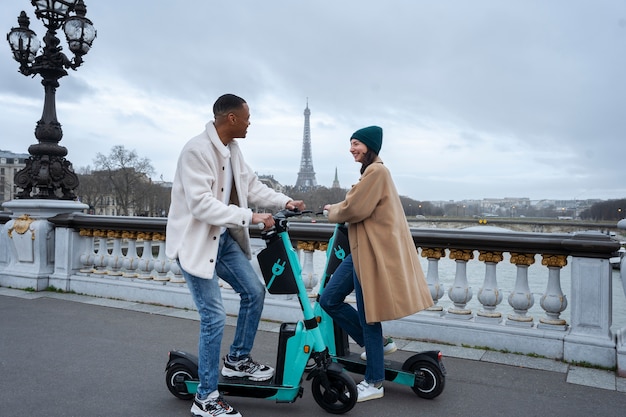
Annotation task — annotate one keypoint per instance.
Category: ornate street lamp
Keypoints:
(47, 173)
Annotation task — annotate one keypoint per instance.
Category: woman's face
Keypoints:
(358, 150)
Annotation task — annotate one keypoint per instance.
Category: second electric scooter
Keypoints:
(424, 372)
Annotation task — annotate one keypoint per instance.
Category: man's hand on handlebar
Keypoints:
(295, 205)
(265, 219)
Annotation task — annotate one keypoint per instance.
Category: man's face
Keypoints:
(241, 119)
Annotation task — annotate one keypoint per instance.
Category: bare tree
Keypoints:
(93, 188)
(127, 175)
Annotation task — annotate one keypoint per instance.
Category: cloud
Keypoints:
(477, 99)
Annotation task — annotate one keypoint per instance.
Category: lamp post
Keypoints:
(47, 174)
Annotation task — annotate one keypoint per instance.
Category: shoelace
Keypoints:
(249, 365)
(219, 405)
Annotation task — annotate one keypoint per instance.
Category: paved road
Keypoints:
(68, 355)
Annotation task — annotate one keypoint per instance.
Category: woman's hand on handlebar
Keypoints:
(266, 219)
(295, 205)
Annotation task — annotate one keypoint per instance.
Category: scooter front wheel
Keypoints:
(175, 378)
(429, 380)
(334, 392)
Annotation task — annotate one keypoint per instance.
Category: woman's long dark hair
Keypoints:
(369, 157)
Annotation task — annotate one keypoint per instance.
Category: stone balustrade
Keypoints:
(124, 258)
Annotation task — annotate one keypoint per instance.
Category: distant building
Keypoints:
(271, 182)
(10, 163)
(141, 196)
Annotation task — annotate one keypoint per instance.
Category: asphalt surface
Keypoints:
(70, 355)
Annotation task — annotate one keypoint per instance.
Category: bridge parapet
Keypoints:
(124, 258)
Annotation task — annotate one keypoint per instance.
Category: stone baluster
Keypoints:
(521, 299)
(87, 258)
(553, 301)
(146, 261)
(101, 254)
(489, 295)
(460, 293)
(309, 277)
(322, 247)
(433, 255)
(176, 275)
(131, 260)
(116, 258)
(161, 264)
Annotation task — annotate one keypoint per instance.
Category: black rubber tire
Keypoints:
(339, 397)
(430, 381)
(175, 378)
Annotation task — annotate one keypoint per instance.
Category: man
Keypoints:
(207, 234)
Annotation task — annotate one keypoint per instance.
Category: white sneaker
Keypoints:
(389, 346)
(246, 368)
(212, 407)
(369, 392)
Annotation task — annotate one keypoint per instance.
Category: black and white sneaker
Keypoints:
(246, 368)
(212, 407)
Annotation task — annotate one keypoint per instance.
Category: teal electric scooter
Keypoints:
(300, 344)
(424, 372)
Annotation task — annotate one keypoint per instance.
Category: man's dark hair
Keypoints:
(226, 104)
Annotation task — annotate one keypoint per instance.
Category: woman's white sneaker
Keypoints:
(389, 346)
(369, 392)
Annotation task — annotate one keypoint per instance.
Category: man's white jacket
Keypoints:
(197, 212)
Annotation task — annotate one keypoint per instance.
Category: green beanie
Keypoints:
(371, 136)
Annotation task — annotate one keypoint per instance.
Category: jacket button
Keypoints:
(211, 261)
(214, 237)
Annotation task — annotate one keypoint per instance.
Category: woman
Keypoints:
(383, 269)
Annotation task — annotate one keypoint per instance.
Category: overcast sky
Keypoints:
(477, 99)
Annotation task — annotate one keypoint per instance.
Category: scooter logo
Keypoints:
(277, 269)
(340, 253)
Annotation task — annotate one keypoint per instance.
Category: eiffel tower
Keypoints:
(306, 177)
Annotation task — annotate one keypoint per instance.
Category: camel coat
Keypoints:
(384, 255)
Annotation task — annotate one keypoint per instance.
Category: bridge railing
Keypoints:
(124, 258)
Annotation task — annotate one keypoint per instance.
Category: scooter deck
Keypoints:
(243, 387)
(243, 381)
(352, 362)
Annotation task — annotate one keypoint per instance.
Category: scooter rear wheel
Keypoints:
(340, 394)
(429, 380)
(175, 378)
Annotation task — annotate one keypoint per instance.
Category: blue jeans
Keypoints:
(332, 300)
(233, 267)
